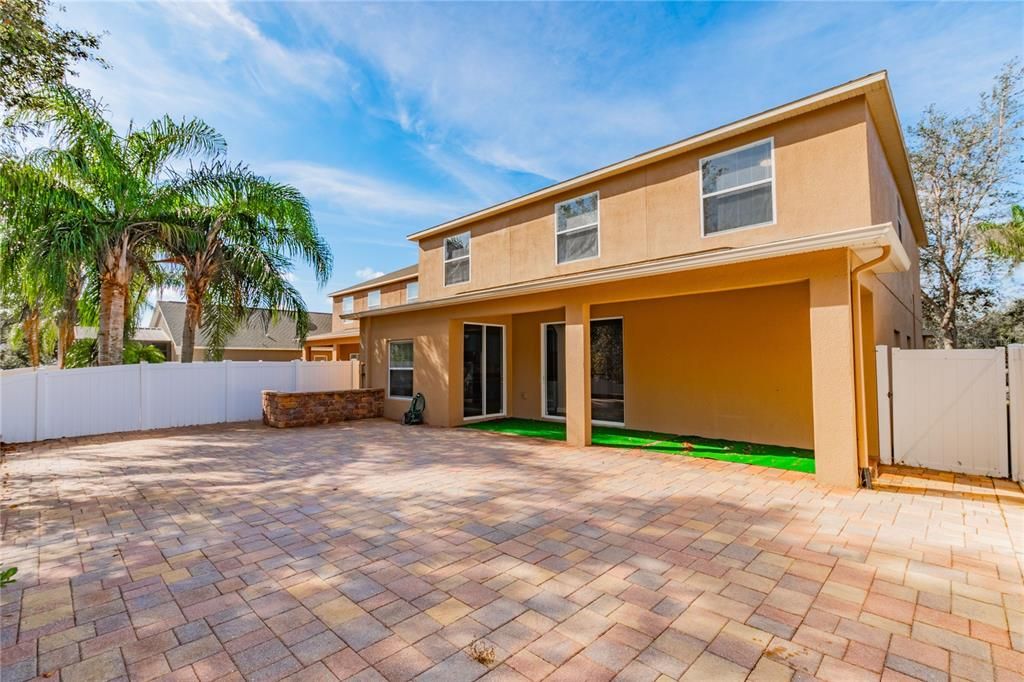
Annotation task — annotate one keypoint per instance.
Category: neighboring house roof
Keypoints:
(278, 335)
(874, 87)
(408, 272)
(351, 333)
(142, 334)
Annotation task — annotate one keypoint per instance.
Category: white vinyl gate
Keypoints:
(55, 403)
(948, 409)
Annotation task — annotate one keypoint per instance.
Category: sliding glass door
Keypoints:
(607, 395)
(607, 385)
(553, 362)
(483, 370)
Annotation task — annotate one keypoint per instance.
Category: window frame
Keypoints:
(767, 181)
(416, 284)
(412, 369)
(597, 225)
(348, 305)
(468, 258)
(371, 306)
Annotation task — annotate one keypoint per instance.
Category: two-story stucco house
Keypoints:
(729, 285)
(342, 341)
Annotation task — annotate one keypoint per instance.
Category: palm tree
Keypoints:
(39, 264)
(1006, 240)
(115, 187)
(242, 232)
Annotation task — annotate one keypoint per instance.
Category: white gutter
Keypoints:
(871, 237)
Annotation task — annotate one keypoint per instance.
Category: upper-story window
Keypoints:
(348, 305)
(373, 299)
(577, 228)
(456, 259)
(412, 291)
(738, 188)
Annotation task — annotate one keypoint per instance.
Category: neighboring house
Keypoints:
(730, 285)
(342, 341)
(148, 336)
(253, 340)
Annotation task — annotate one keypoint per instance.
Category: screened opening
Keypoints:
(400, 368)
(737, 188)
(577, 231)
(456, 259)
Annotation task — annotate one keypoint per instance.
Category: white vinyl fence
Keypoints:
(52, 403)
(952, 410)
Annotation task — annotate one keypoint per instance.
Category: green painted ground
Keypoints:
(774, 456)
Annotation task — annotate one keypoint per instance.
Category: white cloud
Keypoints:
(556, 89)
(202, 59)
(353, 193)
(368, 273)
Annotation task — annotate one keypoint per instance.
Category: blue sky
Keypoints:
(394, 117)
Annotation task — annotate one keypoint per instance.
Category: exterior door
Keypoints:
(483, 370)
(607, 382)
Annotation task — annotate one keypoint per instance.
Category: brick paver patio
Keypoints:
(374, 551)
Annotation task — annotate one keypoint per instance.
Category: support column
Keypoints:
(832, 376)
(577, 374)
(366, 351)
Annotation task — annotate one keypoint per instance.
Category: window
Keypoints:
(348, 305)
(373, 299)
(400, 369)
(737, 188)
(353, 356)
(456, 259)
(412, 291)
(577, 228)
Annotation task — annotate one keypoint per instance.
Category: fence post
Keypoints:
(227, 390)
(1015, 367)
(144, 420)
(36, 430)
(893, 402)
(295, 375)
(884, 404)
(354, 374)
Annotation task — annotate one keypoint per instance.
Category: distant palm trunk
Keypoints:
(68, 316)
(30, 327)
(65, 337)
(193, 316)
(114, 283)
(110, 336)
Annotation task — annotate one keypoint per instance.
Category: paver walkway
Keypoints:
(370, 550)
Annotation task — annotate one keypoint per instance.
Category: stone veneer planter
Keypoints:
(282, 409)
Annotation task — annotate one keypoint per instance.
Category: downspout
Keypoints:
(860, 383)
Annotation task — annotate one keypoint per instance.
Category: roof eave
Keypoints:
(369, 287)
(854, 88)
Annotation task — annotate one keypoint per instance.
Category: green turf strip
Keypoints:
(774, 456)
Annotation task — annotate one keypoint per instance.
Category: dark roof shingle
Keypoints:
(278, 334)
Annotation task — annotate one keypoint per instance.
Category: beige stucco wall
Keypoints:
(821, 185)
(732, 364)
(897, 296)
(746, 358)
